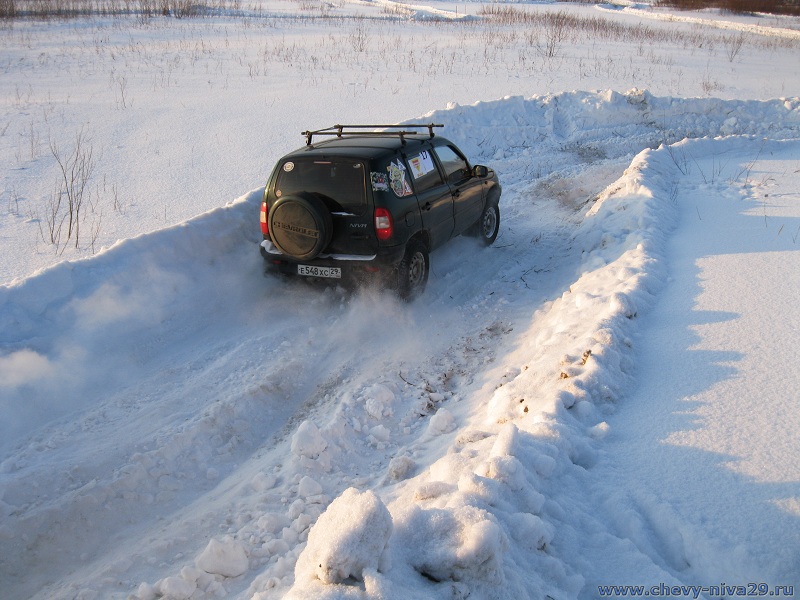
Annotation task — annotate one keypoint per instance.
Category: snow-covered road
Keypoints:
(175, 422)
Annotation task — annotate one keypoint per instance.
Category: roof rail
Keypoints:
(388, 130)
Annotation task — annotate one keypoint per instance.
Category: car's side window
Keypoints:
(423, 171)
(455, 166)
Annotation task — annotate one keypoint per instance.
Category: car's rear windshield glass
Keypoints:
(341, 183)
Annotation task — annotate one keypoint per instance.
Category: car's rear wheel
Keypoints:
(412, 272)
(300, 225)
(489, 224)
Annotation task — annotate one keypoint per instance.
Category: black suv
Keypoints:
(373, 200)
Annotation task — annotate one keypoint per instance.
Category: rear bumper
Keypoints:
(351, 264)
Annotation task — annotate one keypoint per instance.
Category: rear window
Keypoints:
(341, 183)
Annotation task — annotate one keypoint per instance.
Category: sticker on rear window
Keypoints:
(398, 180)
(288, 166)
(379, 182)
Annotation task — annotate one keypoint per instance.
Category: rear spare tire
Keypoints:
(300, 225)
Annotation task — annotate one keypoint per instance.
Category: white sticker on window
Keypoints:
(422, 164)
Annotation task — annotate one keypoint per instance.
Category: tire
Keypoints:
(412, 272)
(300, 225)
(489, 224)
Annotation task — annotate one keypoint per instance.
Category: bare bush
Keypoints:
(733, 45)
(13, 202)
(359, 39)
(67, 201)
(557, 27)
(710, 85)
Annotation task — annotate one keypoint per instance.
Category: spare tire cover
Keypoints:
(300, 225)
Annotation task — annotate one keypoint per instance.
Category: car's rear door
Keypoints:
(433, 195)
(341, 183)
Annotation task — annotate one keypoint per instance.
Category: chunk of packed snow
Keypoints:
(227, 558)
(347, 539)
(442, 422)
(262, 482)
(308, 487)
(378, 401)
(176, 588)
(308, 441)
(400, 467)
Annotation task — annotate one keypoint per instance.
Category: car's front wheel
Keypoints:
(412, 272)
(489, 224)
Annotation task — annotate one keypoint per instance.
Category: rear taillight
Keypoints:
(384, 227)
(264, 226)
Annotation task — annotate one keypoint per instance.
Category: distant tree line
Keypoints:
(776, 7)
(74, 8)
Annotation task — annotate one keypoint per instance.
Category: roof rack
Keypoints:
(387, 130)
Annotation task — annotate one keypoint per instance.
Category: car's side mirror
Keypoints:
(480, 171)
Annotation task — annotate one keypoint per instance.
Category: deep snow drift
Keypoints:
(606, 396)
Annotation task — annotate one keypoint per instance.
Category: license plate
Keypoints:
(312, 271)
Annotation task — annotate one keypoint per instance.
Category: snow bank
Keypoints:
(592, 126)
(96, 303)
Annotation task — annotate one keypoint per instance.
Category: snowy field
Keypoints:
(605, 397)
